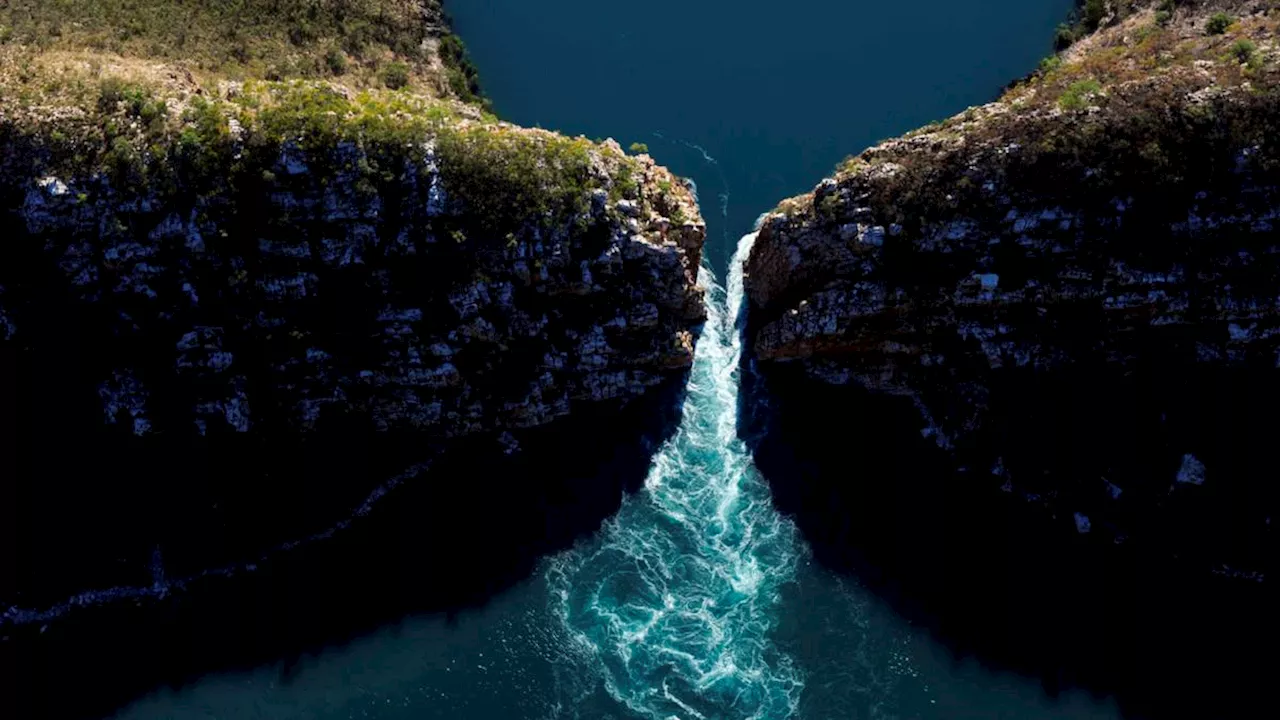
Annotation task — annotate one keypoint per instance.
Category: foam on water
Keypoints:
(674, 601)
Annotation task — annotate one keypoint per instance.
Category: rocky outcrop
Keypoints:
(1109, 226)
(239, 318)
(1019, 365)
(346, 300)
(328, 263)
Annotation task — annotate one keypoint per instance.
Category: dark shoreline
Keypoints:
(474, 525)
(996, 578)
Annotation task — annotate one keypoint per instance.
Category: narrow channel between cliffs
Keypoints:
(675, 599)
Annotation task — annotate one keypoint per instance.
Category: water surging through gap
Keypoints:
(674, 601)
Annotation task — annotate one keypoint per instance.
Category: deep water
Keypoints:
(756, 100)
(697, 600)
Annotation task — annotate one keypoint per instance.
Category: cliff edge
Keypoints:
(268, 265)
(1072, 287)
(1017, 369)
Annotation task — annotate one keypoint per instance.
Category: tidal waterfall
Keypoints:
(674, 600)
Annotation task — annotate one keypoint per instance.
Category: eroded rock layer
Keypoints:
(231, 313)
(1074, 288)
(1019, 367)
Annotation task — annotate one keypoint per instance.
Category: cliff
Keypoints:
(1020, 365)
(1117, 211)
(254, 281)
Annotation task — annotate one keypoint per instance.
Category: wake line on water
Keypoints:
(673, 603)
(724, 180)
(162, 587)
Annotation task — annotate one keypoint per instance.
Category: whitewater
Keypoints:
(676, 597)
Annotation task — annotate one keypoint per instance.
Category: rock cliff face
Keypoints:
(237, 314)
(322, 263)
(1112, 220)
(1039, 340)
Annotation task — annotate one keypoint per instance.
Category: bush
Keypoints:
(110, 93)
(1244, 51)
(1093, 14)
(639, 148)
(336, 60)
(1063, 37)
(122, 161)
(1076, 95)
(463, 76)
(1218, 24)
(395, 75)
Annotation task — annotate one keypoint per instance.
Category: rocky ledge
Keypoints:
(296, 337)
(235, 314)
(1021, 365)
(1109, 226)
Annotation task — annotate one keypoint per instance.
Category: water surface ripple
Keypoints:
(677, 596)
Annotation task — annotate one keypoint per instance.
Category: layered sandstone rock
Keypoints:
(1072, 290)
(236, 313)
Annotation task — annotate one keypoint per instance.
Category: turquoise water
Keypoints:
(696, 601)
(675, 599)
(756, 100)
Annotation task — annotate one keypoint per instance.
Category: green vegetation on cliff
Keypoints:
(506, 177)
(1074, 286)
(241, 82)
(172, 173)
(367, 42)
(1148, 77)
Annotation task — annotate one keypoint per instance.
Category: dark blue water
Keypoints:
(776, 92)
(698, 600)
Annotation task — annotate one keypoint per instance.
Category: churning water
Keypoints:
(676, 598)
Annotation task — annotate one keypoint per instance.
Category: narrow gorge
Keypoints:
(327, 393)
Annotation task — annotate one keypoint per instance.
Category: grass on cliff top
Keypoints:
(367, 42)
(499, 175)
(498, 178)
(1128, 108)
(1134, 54)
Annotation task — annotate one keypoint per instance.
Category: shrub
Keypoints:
(462, 74)
(336, 60)
(1076, 95)
(122, 161)
(110, 93)
(1049, 64)
(1094, 12)
(1218, 24)
(1244, 51)
(395, 75)
(639, 148)
(1063, 37)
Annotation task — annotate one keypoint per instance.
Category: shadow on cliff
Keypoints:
(108, 510)
(994, 577)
